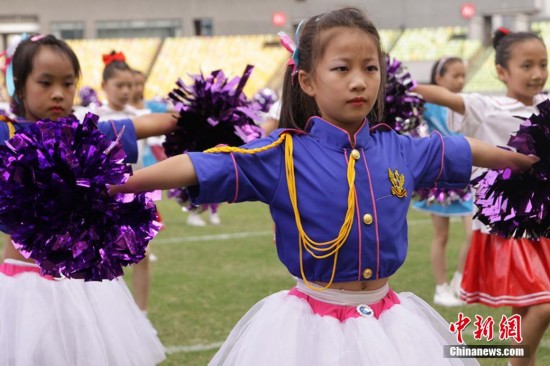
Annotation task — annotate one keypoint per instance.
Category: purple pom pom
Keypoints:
(532, 139)
(512, 205)
(54, 201)
(213, 111)
(402, 108)
(517, 204)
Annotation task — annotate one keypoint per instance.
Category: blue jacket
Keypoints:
(377, 244)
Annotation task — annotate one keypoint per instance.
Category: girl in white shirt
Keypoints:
(499, 271)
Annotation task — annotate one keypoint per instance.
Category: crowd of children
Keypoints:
(342, 310)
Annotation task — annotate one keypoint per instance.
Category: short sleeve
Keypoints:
(476, 107)
(444, 162)
(237, 177)
(111, 129)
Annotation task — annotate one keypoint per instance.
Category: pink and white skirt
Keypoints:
(337, 327)
(46, 321)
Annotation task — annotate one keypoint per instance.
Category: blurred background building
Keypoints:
(167, 39)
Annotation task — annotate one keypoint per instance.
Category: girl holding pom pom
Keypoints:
(60, 321)
(339, 194)
(448, 72)
(499, 271)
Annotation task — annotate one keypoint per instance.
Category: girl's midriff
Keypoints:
(357, 285)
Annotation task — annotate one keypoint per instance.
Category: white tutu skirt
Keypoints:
(283, 330)
(71, 322)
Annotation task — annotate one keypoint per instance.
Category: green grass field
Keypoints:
(206, 278)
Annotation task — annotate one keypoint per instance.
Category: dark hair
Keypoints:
(23, 59)
(440, 67)
(297, 107)
(503, 40)
(112, 66)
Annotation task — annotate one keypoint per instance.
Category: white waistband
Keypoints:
(18, 262)
(343, 297)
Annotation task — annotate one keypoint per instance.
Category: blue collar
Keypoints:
(337, 137)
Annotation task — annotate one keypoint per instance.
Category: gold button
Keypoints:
(355, 154)
(367, 219)
(367, 273)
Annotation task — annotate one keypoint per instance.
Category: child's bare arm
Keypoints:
(442, 96)
(488, 156)
(177, 171)
(154, 124)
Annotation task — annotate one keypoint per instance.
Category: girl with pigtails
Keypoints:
(51, 319)
(503, 271)
(338, 193)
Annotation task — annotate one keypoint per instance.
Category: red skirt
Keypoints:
(506, 272)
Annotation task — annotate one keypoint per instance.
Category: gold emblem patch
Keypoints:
(397, 181)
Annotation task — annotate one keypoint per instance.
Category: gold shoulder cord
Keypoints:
(327, 248)
(233, 149)
(11, 126)
(11, 129)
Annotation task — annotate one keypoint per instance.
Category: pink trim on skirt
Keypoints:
(342, 312)
(12, 270)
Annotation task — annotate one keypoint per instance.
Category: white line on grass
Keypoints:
(195, 348)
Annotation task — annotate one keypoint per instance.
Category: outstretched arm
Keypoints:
(488, 156)
(442, 96)
(154, 124)
(177, 171)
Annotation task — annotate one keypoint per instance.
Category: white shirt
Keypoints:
(106, 113)
(491, 119)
